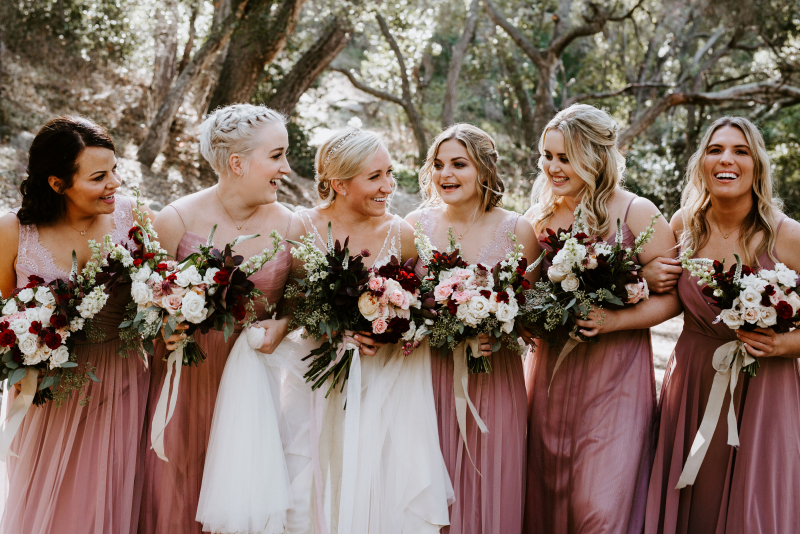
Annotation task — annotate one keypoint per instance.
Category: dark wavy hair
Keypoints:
(54, 152)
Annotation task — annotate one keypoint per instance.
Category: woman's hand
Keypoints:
(662, 274)
(762, 342)
(276, 330)
(177, 335)
(599, 321)
(486, 344)
(525, 334)
(369, 346)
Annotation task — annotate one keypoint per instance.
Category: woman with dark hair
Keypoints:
(77, 465)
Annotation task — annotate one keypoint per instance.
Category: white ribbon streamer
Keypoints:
(461, 390)
(728, 362)
(352, 420)
(17, 411)
(162, 417)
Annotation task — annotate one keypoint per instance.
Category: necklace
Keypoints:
(82, 232)
(724, 234)
(238, 226)
(452, 224)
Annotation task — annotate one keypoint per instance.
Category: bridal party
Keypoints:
(233, 366)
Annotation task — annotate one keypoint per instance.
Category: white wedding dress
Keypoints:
(391, 478)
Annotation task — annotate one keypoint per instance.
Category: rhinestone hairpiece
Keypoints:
(338, 145)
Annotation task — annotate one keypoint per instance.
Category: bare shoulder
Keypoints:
(788, 244)
(677, 222)
(296, 228)
(524, 228)
(407, 246)
(190, 206)
(641, 212)
(9, 232)
(413, 217)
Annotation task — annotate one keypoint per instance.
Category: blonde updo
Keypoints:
(343, 157)
(590, 143)
(482, 150)
(234, 130)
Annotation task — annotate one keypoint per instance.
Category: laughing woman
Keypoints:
(590, 440)
(78, 466)
(727, 207)
(463, 191)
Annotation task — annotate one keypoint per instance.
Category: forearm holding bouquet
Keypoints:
(585, 273)
(747, 299)
(471, 300)
(39, 328)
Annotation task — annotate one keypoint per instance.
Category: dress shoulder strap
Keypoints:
(179, 216)
(625, 220)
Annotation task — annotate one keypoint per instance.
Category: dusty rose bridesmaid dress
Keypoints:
(490, 502)
(590, 441)
(79, 466)
(752, 490)
(172, 489)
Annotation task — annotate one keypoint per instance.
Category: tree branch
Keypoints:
(530, 50)
(598, 96)
(406, 86)
(370, 90)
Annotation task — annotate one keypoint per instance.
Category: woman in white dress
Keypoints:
(390, 477)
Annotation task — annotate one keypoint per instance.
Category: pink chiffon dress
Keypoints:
(753, 489)
(79, 467)
(489, 502)
(172, 489)
(590, 441)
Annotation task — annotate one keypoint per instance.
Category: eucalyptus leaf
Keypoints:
(12, 364)
(46, 383)
(92, 376)
(68, 365)
(16, 376)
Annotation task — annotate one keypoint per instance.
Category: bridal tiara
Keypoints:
(338, 145)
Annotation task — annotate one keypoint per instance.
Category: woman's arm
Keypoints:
(9, 244)
(170, 229)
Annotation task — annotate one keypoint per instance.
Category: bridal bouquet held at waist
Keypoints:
(585, 273)
(747, 299)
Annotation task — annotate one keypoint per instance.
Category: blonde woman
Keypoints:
(463, 191)
(591, 438)
(727, 207)
(246, 146)
(396, 483)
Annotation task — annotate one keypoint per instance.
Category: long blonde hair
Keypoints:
(343, 157)
(590, 142)
(696, 199)
(482, 150)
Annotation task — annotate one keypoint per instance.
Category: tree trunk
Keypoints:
(454, 70)
(187, 50)
(159, 128)
(419, 130)
(310, 66)
(255, 44)
(525, 109)
(545, 106)
(166, 60)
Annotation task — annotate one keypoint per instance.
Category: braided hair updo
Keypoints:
(54, 152)
(234, 130)
(343, 157)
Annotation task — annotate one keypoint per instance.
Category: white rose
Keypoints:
(731, 319)
(20, 326)
(754, 282)
(794, 301)
(189, 276)
(28, 343)
(141, 293)
(32, 314)
(155, 279)
(10, 308)
(504, 313)
(507, 327)
(40, 355)
(194, 308)
(142, 274)
(420, 333)
(45, 312)
(408, 335)
(44, 296)
(209, 277)
(558, 271)
(751, 315)
(474, 311)
(369, 306)
(769, 276)
(570, 283)
(750, 298)
(769, 316)
(59, 356)
(787, 277)
(591, 263)
(402, 313)
(25, 295)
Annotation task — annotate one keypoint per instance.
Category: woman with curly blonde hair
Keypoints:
(728, 208)
(590, 439)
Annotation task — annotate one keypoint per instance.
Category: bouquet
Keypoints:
(473, 299)
(327, 306)
(747, 299)
(585, 273)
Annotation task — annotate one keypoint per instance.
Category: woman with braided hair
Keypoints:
(246, 146)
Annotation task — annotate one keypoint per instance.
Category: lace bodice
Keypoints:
(492, 252)
(35, 258)
(390, 247)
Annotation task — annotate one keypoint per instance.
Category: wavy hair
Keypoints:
(481, 150)
(590, 143)
(696, 199)
(54, 152)
(343, 157)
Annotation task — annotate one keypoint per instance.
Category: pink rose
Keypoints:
(172, 303)
(464, 274)
(636, 292)
(442, 292)
(399, 299)
(379, 325)
(462, 296)
(376, 283)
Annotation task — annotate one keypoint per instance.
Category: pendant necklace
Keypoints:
(238, 226)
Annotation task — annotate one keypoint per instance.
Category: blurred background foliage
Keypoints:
(149, 70)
